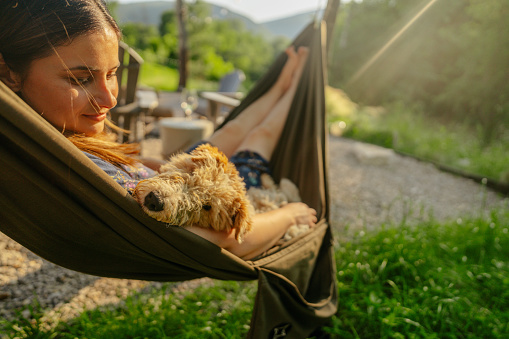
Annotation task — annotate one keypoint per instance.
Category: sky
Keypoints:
(263, 10)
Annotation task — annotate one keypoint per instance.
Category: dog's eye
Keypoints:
(207, 207)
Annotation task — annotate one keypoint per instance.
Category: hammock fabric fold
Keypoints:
(58, 204)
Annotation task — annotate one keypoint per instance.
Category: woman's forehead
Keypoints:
(96, 50)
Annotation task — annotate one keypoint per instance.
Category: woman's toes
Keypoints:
(303, 51)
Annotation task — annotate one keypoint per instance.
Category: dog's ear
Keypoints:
(220, 157)
(181, 162)
(203, 154)
(242, 220)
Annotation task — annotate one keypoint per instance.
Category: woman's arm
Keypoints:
(154, 164)
(267, 229)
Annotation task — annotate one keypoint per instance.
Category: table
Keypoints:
(178, 134)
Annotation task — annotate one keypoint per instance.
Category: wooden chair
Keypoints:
(132, 104)
(213, 105)
(170, 102)
(219, 104)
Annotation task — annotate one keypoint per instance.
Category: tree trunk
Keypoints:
(183, 55)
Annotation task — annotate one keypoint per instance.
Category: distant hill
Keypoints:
(290, 26)
(150, 12)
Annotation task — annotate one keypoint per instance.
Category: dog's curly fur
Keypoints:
(200, 189)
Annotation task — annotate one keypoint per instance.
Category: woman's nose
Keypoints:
(106, 93)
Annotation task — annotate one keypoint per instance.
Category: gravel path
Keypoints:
(368, 186)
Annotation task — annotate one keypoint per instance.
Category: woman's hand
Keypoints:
(301, 213)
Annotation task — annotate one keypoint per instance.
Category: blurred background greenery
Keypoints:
(440, 91)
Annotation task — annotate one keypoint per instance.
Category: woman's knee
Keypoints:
(261, 133)
(234, 130)
(228, 137)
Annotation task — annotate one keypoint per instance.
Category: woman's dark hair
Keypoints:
(31, 29)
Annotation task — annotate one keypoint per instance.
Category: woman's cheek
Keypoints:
(78, 97)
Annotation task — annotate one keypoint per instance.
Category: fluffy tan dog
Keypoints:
(201, 189)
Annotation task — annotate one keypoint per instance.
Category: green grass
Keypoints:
(222, 310)
(410, 131)
(164, 78)
(159, 77)
(432, 280)
(426, 281)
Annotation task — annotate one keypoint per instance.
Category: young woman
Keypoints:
(60, 57)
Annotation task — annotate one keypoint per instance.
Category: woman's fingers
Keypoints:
(313, 217)
(302, 214)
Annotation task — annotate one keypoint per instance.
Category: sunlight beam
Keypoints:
(371, 61)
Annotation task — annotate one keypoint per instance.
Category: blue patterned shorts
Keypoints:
(251, 166)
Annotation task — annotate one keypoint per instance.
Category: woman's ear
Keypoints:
(9, 77)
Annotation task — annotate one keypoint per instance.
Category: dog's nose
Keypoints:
(154, 202)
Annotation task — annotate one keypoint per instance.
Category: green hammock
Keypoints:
(58, 204)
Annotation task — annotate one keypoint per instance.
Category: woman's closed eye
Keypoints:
(111, 75)
(85, 80)
(80, 80)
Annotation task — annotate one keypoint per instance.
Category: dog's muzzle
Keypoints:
(154, 202)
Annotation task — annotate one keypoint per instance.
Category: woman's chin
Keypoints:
(93, 130)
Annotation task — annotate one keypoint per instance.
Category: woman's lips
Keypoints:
(95, 117)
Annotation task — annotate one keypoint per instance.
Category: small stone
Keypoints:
(5, 295)
(26, 314)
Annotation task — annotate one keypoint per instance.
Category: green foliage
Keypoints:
(211, 66)
(27, 327)
(457, 145)
(232, 44)
(453, 60)
(140, 36)
(375, 137)
(216, 47)
(425, 281)
(410, 130)
(168, 24)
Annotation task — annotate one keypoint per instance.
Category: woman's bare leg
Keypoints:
(264, 137)
(229, 138)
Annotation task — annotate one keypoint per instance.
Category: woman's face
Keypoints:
(75, 87)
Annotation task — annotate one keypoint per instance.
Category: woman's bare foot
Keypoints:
(285, 77)
(302, 56)
(235, 135)
(264, 137)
